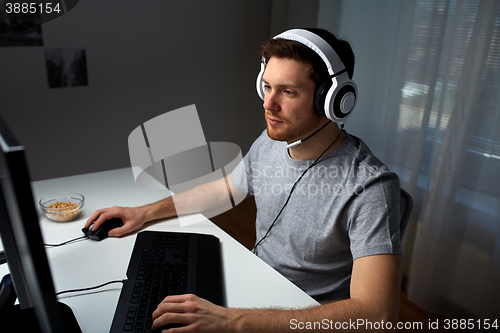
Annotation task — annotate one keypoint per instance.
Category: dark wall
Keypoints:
(144, 58)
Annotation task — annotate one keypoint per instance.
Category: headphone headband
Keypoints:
(318, 45)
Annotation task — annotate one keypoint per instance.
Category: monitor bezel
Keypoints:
(23, 242)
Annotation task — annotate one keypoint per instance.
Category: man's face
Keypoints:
(288, 101)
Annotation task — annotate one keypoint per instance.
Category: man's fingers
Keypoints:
(171, 318)
(102, 215)
(118, 232)
(179, 298)
(92, 218)
(101, 219)
(175, 303)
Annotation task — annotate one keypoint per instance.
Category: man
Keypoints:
(327, 209)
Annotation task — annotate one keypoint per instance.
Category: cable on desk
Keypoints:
(89, 288)
(67, 242)
(3, 258)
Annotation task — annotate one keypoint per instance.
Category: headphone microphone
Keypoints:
(335, 98)
(298, 142)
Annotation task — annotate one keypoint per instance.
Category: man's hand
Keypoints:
(196, 314)
(375, 287)
(132, 219)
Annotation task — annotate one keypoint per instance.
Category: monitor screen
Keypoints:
(38, 309)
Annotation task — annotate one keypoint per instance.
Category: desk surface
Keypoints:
(249, 282)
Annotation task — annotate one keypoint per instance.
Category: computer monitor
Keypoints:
(38, 309)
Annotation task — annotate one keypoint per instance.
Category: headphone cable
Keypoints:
(293, 188)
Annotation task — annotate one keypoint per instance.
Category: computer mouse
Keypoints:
(102, 231)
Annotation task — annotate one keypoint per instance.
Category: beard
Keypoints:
(292, 129)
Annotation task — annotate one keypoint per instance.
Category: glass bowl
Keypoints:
(62, 207)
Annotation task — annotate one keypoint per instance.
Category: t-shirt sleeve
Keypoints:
(374, 222)
(241, 176)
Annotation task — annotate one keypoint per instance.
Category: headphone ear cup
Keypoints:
(319, 98)
(344, 102)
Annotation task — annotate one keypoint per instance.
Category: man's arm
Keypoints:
(375, 290)
(196, 200)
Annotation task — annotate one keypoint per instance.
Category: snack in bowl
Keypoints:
(62, 207)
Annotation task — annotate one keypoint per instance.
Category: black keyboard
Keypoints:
(162, 264)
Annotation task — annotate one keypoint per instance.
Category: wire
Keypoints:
(89, 288)
(67, 242)
(3, 259)
(293, 188)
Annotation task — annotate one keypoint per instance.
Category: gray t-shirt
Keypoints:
(344, 208)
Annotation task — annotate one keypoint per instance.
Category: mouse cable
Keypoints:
(89, 288)
(3, 258)
(67, 242)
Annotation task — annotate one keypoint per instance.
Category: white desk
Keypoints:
(249, 282)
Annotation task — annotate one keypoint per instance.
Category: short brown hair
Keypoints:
(284, 48)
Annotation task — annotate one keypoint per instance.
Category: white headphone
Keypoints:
(335, 98)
